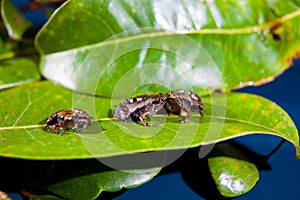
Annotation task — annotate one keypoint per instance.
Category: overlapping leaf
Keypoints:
(114, 39)
(17, 72)
(18, 60)
(17, 65)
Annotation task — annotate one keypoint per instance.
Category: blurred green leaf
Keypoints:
(24, 110)
(18, 71)
(18, 59)
(198, 44)
(18, 64)
(232, 171)
(16, 25)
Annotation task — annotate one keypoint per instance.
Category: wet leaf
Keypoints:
(233, 173)
(16, 25)
(199, 44)
(24, 110)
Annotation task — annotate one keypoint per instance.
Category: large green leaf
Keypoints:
(114, 43)
(25, 108)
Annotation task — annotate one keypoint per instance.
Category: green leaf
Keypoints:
(18, 63)
(18, 59)
(24, 110)
(96, 183)
(14, 21)
(232, 171)
(197, 44)
(18, 71)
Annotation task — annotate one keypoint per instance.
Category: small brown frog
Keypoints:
(140, 108)
(180, 103)
(68, 119)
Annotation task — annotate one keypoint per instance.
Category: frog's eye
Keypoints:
(132, 100)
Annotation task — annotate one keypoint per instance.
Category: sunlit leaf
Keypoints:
(24, 110)
(199, 44)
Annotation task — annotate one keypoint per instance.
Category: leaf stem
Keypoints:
(267, 157)
(22, 127)
(42, 125)
(104, 119)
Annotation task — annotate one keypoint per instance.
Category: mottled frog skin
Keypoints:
(178, 102)
(68, 119)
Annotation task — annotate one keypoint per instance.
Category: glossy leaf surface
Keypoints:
(24, 110)
(232, 171)
(201, 43)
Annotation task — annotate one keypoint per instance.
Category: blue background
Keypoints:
(278, 183)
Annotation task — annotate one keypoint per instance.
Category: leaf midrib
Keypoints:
(112, 119)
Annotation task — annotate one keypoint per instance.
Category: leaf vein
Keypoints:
(24, 110)
(32, 137)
